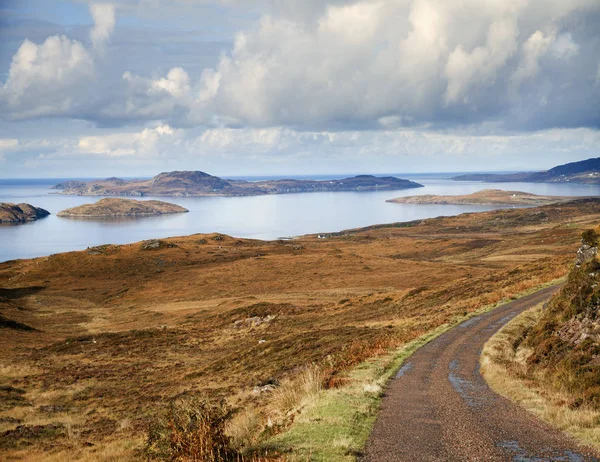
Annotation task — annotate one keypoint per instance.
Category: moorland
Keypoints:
(96, 345)
(484, 197)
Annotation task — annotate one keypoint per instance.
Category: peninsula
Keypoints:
(195, 183)
(20, 213)
(484, 197)
(112, 207)
(585, 171)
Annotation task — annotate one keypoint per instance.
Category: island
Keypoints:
(20, 213)
(585, 171)
(113, 207)
(196, 183)
(485, 197)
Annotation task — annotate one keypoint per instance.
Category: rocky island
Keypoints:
(195, 183)
(484, 197)
(112, 207)
(20, 213)
(585, 171)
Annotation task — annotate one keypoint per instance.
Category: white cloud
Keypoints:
(154, 98)
(43, 79)
(343, 64)
(480, 66)
(335, 65)
(8, 143)
(177, 83)
(564, 47)
(533, 49)
(104, 23)
(147, 143)
(53, 78)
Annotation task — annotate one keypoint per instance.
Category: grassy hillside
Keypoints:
(104, 349)
(548, 359)
(565, 343)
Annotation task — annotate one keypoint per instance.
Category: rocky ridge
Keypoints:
(585, 171)
(196, 183)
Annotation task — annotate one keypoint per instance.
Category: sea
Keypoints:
(258, 217)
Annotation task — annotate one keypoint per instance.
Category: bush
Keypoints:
(192, 430)
(590, 237)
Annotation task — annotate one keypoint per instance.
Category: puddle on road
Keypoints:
(470, 322)
(403, 370)
(471, 393)
(520, 455)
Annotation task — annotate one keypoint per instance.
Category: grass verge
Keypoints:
(336, 423)
(504, 368)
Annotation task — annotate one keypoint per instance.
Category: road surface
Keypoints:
(439, 408)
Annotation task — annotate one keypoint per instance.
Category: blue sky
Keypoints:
(232, 87)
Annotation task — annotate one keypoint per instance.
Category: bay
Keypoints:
(259, 217)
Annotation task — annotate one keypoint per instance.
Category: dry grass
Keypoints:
(506, 370)
(297, 392)
(122, 331)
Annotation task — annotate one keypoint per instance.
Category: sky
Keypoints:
(267, 87)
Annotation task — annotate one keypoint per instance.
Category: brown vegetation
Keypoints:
(485, 197)
(119, 333)
(548, 359)
(112, 207)
(20, 213)
(194, 183)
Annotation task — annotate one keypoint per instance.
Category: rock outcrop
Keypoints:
(20, 213)
(113, 207)
(564, 344)
(585, 253)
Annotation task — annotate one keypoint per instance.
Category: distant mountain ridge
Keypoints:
(585, 171)
(196, 183)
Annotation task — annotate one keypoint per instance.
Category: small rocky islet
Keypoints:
(114, 207)
(20, 213)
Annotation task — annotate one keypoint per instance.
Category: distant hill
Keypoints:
(195, 183)
(585, 171)
(484, 197)
(112, 207)
(20, 213)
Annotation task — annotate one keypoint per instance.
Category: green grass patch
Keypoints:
(336, 424)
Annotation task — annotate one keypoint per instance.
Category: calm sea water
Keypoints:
(261, 217)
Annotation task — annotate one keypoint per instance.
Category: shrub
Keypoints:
(191, 430)
(590, 237)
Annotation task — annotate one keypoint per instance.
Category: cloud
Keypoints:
(341, 65)
(103, 15)
(8, 143)
(147, 143)
(534, 48)
(46, 79)
(53, 78)
(344, 65)
(480, 66)
(278, 150)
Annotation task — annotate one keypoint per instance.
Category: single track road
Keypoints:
(439, 408)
